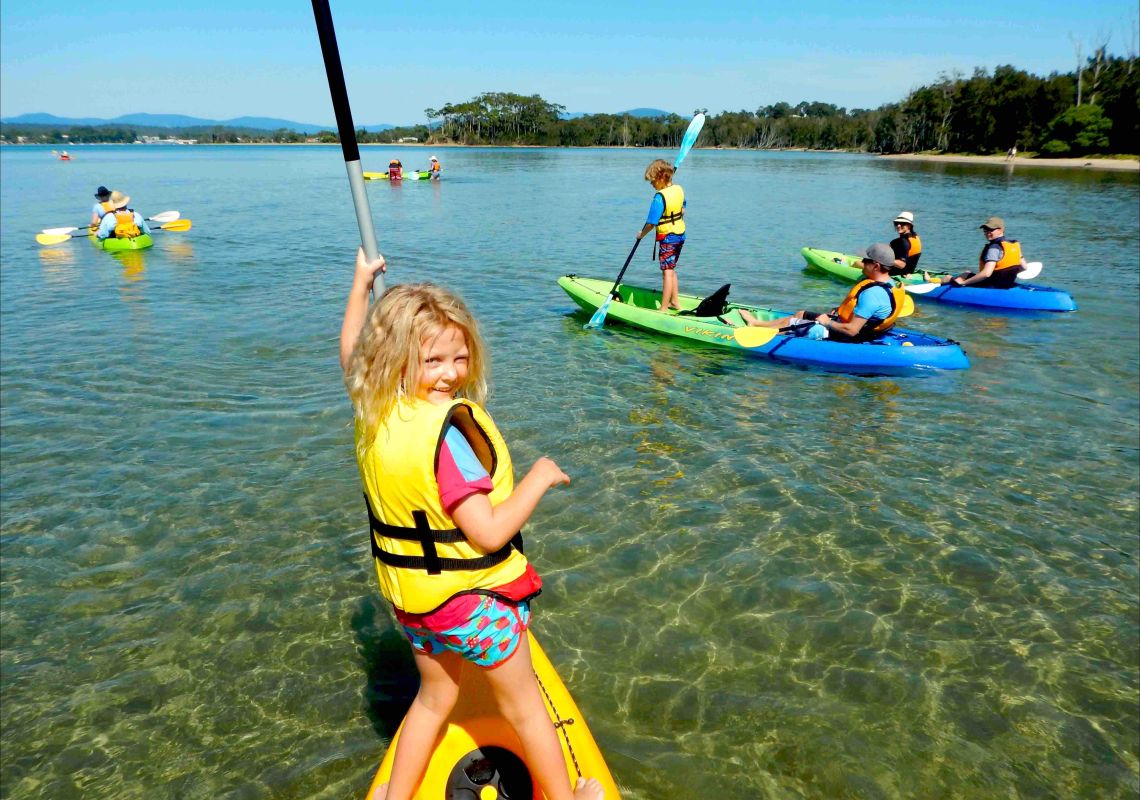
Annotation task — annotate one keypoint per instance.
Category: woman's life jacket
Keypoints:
(672, 217)
(422, 559)
(846, 310)
(125, 227)
(913, 249)
(1011, 254)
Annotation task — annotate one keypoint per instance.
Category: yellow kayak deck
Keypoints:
(480, 753)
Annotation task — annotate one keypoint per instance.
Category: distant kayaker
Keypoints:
(122, 222)
(907, 247)
(102, 206)
(869, 309)
(445, 516)
(395, 170)
(434, 168)
(667, 217)
(998, 265)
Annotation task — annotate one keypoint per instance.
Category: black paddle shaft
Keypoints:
(347, 132)
(335, 74)
(625, 266)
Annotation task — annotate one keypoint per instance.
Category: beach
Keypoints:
(1116, 165)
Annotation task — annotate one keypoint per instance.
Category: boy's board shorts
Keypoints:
(487, 638)
(669, 250)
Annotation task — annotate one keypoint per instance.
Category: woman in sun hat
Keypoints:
(907, 247)
(433, 168)
(121, 222)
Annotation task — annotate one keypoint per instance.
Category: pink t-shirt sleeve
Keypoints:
(459, 472)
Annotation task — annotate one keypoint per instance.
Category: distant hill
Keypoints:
(633, 112)
(182, 121)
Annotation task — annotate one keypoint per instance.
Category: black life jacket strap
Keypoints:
(428, 538)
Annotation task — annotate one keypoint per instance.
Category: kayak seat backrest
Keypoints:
(714, 305)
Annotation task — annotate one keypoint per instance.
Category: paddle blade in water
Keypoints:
(57, 231)
(165, 216)
(907, 306)
(921, 288)
(52, 238)
(599, 317)
(177, 225)
(1031, 271)
(754, 337)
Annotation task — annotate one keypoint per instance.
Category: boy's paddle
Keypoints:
(691, 133)
(348, 145)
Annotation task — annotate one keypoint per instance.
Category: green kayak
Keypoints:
(897, 351)
(1021, 297)
(114, 245)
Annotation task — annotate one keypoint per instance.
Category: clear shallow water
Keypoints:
(762, 582)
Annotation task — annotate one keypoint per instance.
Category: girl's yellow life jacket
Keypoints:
(672, 218)
(846, 310)
(422, 559)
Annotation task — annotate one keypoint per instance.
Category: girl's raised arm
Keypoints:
(357, 307)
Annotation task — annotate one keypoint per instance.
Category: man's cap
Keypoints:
(993, 222)
(881, 254)
(102, 193)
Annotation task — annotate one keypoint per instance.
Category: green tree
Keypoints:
(1080, 129)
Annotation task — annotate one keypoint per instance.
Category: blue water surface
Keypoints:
(762, 581)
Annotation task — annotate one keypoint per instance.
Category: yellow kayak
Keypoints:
(479, 755)
(375, 176)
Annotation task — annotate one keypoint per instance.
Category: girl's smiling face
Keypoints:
(444, 360)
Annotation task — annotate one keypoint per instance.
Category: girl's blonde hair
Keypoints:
(658, 170)
(384, 367)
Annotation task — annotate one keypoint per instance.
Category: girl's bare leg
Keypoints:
(520, 702)
(439, 689)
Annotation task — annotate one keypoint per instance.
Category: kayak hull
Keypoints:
(897, 351)
(113, 245)
(1022, 297)
(478, 748)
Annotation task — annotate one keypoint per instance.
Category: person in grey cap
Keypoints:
(868, 311)
(103, 206)
(999, 263)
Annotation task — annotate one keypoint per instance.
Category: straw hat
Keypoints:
(119, 200)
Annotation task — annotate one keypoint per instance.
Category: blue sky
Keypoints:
(259, 58)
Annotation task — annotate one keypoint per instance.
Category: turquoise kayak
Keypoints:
(111, 244)
(1022, 297)
(896, 351)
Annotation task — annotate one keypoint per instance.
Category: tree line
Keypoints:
(1093, 110)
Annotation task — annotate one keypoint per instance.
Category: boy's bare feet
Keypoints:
(588, 790)
(746, 315)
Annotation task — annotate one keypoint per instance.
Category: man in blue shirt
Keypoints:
(868, 309)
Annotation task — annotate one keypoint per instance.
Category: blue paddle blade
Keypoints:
(690, 138)
(599, 317)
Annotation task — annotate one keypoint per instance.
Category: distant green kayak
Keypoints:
(114, 245)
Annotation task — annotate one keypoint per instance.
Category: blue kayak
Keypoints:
(897, 351)
(1021, 297)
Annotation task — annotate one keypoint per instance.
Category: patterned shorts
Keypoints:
(487, 638)
(668, 252)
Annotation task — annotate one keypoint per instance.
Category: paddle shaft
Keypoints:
(625, 266)
(348, 145)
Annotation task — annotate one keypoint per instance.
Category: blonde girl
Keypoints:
(445, 517)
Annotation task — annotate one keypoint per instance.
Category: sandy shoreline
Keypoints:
(1118, 165)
